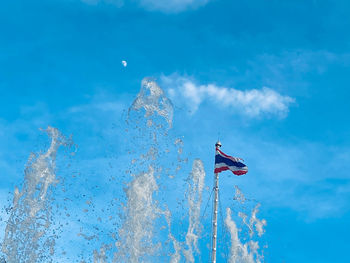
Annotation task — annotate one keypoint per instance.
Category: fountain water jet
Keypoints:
(143, 233)
(26, 234)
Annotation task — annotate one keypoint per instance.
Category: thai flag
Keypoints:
(225, 162)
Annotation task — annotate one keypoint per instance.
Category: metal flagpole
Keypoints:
(215, 215)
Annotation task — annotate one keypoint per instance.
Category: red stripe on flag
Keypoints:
(225, 168)
(239, 172)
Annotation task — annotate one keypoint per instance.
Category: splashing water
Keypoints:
(135, 242)
(136, 235)
(194, 197)
(142, 211)
(195, 183)
(100, 256)
(247, 252)
(254, 221)
(26, 238)
(239, 196)
(144, 231)
(238, 252)
(153, 100)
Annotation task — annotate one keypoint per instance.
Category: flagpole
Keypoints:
(215, 211)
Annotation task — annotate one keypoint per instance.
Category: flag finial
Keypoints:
(218, 144)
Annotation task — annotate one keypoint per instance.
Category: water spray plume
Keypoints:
(26, 238)
(154, 181)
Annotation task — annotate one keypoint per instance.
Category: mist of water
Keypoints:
(240, 251)
(194, 198)
(26, 234)
(152, 100)
(136, 235)
(145, 229)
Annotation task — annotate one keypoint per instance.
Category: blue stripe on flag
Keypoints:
(227, 161)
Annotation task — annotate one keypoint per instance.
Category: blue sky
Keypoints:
(282, 69)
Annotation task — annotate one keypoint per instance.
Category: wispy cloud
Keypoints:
(165, 6)
(252, 103)
(172, 6)
(117, 3)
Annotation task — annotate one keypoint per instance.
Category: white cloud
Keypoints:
(248, 102)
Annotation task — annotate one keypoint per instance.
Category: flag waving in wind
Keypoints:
(225, 162)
